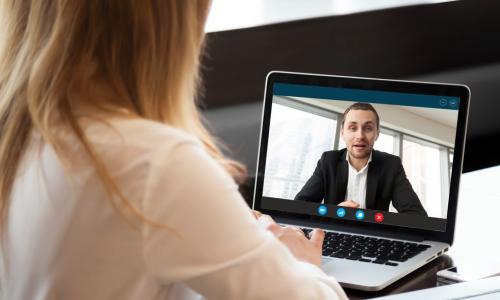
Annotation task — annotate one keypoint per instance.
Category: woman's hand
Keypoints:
(304, 249)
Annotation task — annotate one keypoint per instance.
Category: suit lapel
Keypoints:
(371, 182)
(341, 178)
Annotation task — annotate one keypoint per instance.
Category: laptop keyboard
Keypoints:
(368, 249)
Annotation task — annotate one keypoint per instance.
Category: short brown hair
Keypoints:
(361, 106)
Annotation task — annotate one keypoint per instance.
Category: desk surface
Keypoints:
(475, 234)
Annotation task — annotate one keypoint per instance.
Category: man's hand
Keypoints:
(349, 203)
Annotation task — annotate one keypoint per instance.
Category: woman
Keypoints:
(111, 187)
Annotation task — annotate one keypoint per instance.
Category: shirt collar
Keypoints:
(362, 169)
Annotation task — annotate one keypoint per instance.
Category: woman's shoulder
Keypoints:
(137, 133)
(130, 141)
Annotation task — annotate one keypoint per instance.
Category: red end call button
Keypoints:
(379, 217)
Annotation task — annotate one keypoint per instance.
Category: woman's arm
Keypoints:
(218, 248)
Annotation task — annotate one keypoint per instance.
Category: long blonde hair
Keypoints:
(146, 51)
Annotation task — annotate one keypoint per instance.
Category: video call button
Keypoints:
(379, 217)
(322, 210)
(340, 212)
(360, 215)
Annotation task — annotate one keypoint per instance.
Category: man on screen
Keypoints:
(358, 176)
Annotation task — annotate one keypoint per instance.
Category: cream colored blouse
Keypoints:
(65, 240)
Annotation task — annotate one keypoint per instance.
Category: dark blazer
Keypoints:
(386, 181)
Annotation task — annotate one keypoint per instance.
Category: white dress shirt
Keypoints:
(65, 240)
(356, 183)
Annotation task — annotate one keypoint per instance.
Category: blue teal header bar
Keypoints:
(371, 96)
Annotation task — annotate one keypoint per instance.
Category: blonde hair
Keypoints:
(147, 52)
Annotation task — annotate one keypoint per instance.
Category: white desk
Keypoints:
(477, 233)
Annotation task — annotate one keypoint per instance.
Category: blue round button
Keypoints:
(322, 210)
(340, 212)
(360, 215)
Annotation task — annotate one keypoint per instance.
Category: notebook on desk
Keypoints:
(376, 163)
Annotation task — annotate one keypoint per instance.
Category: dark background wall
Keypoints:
(455, 42)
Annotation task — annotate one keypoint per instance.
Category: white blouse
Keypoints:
(65, 240)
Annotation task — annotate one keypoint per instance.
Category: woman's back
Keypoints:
(66, 240)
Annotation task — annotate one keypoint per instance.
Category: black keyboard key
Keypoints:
(423, 247)
(365, 260)
(400, 259)
(411, 254)
(391, 264)
(379, 261)
(355, 257)
(342, 252)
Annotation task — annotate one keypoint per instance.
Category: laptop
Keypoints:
(376, 163)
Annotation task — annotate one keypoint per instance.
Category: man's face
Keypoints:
(360, 132)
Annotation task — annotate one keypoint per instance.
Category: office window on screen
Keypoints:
(427, 166)
(298, 135)
(450, 162)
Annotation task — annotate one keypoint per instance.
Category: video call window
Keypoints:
(302, 129)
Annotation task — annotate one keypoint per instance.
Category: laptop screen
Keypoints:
(359, 154)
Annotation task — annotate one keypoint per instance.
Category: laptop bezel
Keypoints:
(442, 89)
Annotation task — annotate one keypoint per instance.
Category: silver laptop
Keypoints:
(375, 163)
